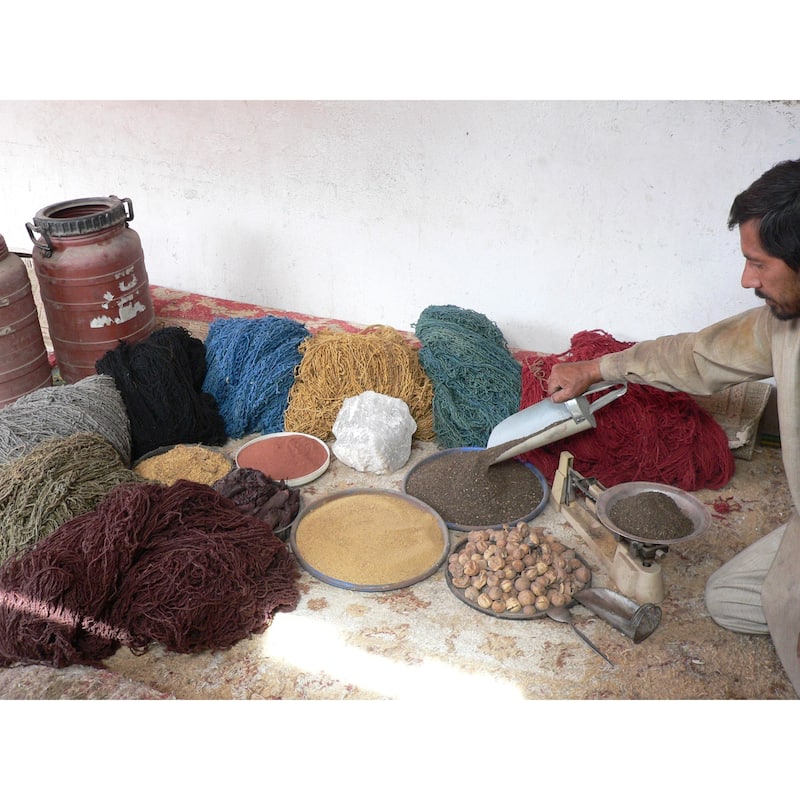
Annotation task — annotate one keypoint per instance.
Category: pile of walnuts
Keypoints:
(522, 570)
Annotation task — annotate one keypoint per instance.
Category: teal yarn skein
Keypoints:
(477, 382)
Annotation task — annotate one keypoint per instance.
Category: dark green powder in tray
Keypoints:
(466, 489)
(652, 516)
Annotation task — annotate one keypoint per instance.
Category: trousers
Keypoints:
(733, 592)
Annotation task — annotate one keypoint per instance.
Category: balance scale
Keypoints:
(632, 564)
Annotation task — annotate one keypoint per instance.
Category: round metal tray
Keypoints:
(457, 526)
(160, 451)
(689, 505)
(283, 531)
(361, 587)
(459, 593)
(247, 456)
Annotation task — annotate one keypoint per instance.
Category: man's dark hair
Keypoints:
(773, 200)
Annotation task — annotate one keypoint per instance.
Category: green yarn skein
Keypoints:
(477, 382)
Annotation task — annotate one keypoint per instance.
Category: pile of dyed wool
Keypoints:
(175, 565)
(251, 366)
(336, 366)
(476, 380)
(57, 480)
(645, 435)
(160, 379)
(91, 405)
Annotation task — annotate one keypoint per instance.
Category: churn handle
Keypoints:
(46, 249)
(129, 209)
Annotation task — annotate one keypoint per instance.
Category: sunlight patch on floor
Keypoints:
(317, 647)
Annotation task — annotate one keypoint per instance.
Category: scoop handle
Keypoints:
(608, 397)
(591, 643)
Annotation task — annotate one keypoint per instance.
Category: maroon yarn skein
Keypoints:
(176, 565)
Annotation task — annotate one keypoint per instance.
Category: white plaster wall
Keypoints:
(549, 217)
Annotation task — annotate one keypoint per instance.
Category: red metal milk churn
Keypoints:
(24, 366)
(92, 280)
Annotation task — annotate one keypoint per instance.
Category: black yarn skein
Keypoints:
(160, 379)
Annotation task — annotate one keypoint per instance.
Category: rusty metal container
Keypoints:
(92, 279)
(24, 366)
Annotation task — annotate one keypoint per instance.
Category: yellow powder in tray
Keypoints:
(190, 462)
(370, 538)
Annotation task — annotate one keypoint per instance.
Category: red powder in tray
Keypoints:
(288, 456)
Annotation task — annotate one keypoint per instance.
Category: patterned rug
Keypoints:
(196, 312)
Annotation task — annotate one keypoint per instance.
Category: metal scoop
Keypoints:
(563, 614)
(636, 621)
(546, 421)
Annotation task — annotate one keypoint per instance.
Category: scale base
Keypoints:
(576, 498)
(644, 583)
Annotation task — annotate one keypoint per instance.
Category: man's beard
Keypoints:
(782, 315)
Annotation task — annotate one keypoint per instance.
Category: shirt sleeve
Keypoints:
(728, 352)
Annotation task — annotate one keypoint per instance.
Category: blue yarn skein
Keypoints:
(251, 366)
(476, 381)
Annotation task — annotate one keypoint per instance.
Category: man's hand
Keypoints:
(571, 378)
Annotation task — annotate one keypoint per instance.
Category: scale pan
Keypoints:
(689, 505)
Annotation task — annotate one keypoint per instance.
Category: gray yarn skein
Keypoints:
(91, 405)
